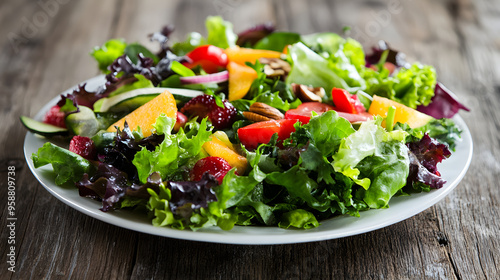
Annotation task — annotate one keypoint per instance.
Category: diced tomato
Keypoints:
(261, 132)
(211, 58)
(346, 102)
(303, 113)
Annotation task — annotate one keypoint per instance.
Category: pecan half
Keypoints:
(275, 67)
(308, 94)
(263, 112)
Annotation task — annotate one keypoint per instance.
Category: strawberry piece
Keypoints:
(55, 117)
(83, 146)
(216, 166)
(205, 106)
(180, 121)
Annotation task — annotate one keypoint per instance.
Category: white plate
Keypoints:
(401, 208)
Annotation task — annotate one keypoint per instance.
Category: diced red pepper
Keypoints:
(346, 102)
(211, 58)
(303, 113)
(261, 132)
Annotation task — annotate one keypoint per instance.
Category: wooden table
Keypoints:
(44, 50)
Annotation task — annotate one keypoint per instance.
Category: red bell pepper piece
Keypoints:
(261, 132)
(303, 113)
(346, 102)
(211, 58)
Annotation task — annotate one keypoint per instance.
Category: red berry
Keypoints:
(216, 166)
(83, 146)
(205, 106)
(180, 121)
(55, 117)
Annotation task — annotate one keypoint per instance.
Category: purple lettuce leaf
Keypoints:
(111, 186)
(123, 70)
(395, 57)
(162, 37)
(188, 196)
(444, 104)
(424, 156)
(124, 149)
(105, 185)
(81, 97)
(254, 34)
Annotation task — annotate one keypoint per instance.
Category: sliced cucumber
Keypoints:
(83, 123)
(41, 128)
(129, 105)
(133, 99)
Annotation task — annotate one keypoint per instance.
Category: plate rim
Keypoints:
(242, 235)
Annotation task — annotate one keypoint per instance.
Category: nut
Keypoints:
(255, 117)
(275, 67)
(308, 94)
(263, 112)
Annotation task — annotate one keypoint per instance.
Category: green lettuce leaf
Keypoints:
(132, 50)
(193, 40)
(109, 52)
(298, 218)
(365, 142)
(387, 170)
(327, 130)
(277, 41)
(220, 32)
(310, 68)
(412, 87)
(175, 151)
(70, 167)
(158, 204)
(345, 56)
(299, 185)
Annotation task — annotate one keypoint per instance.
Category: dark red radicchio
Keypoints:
(444, 104)
(110, 185)
(188, 196)
(424, 156)
(249, 37)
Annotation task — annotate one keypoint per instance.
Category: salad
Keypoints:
(257, 128)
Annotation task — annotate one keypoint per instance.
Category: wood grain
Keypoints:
(455, 239)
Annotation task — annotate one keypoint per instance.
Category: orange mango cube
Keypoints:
(146, 115)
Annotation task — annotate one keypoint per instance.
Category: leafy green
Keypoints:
(132, 50)
(298, 218)
(193, 40)
(412, 87)
(109, 52)
(220, 32)
(310, 68)
(277, 41)
(387, 170)
(175, 151)
(345, 56)
(443, 130)
(142, 82)
(327, 130)
(182, 70)
(366, 141)
(70, 167)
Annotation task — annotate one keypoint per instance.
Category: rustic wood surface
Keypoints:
(44, 50)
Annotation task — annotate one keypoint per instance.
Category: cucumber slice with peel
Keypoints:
(43, 129)
(83, 123)
(131, 100)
